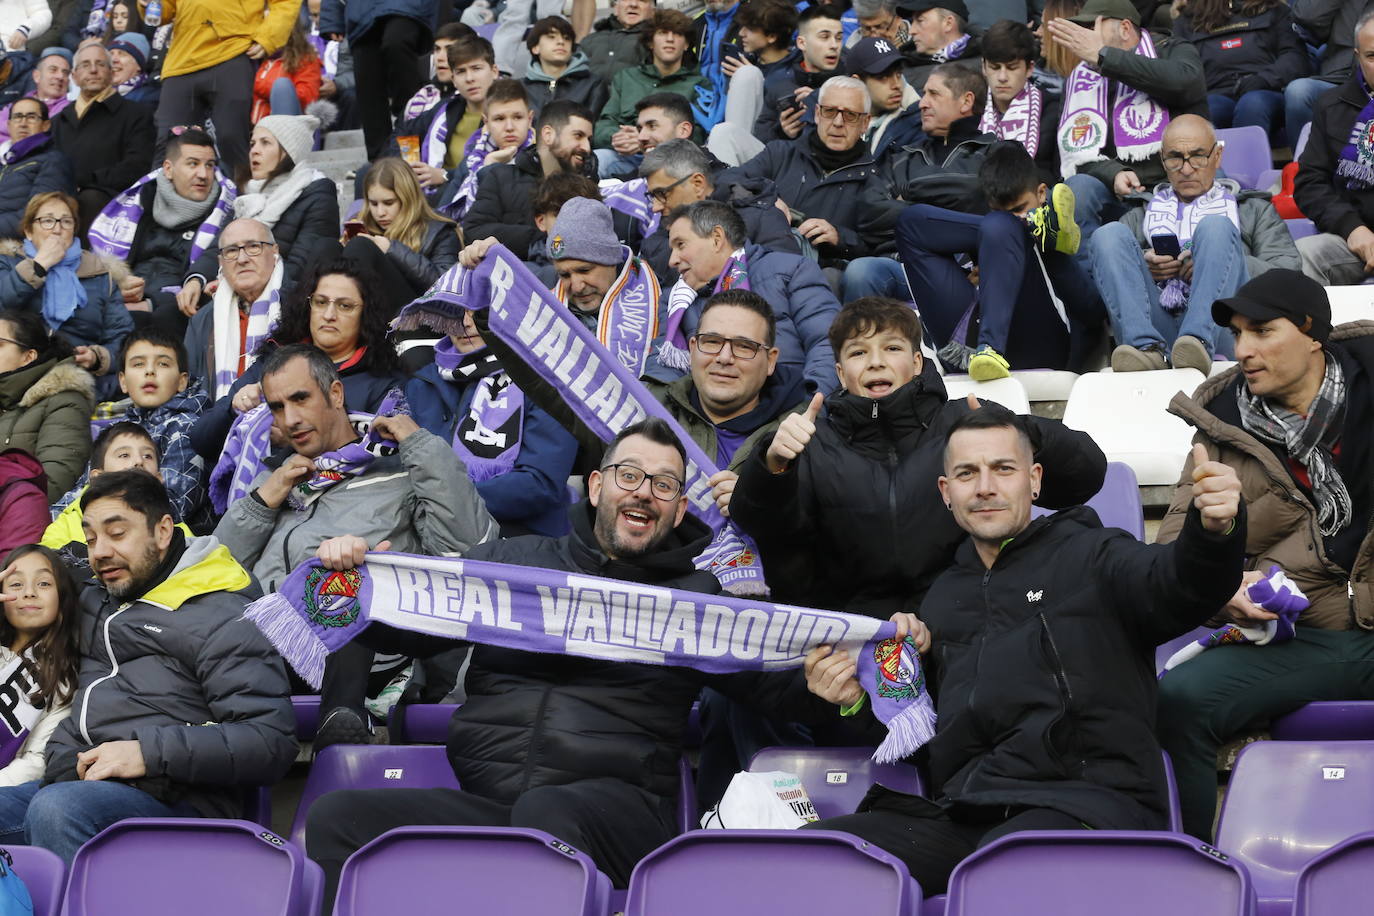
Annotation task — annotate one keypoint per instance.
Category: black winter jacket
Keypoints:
(537, 720)
(110, 147)
(160, 255)
(1043, 665)
(1248, 52)
(502, 205)
(438, 252)
(44, 169)
(862, 500)
(1318, 191)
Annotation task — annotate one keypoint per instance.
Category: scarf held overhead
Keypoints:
(595, 384)
(487, 436)
(1138, 121)
(316, 611)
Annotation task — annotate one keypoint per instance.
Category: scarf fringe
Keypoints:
(674, 357)
(291, 634)
(910, 728)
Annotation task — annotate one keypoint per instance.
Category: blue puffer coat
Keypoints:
(43, 169)
(103, 320)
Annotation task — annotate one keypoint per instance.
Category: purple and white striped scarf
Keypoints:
(1167, 215)
(673, 352)
(631, 198)
(353, 459)
(596, 385)
(243, 457)
(475, 153)
(1021, 121)
(95, 22)
(434, 144)
(1277, 594)
(112, 232)
(421, 102)
(487, 437)
(263, 316)
(316, 611)
(1138, 121)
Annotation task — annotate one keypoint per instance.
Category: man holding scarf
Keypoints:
(400, 485)
(163, 223)
(1160, 302)
(1117, 103)
(1293, 418)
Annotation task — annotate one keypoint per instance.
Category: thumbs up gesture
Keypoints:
(1216, 491)
(792, 436)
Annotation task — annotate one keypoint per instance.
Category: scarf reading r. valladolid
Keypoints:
(316, 611)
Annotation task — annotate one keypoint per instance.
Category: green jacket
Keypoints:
(634, 83)
(676, 396)
(45, 409)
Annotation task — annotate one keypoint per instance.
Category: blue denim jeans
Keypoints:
(1132, 296)
(1261, 108)
(1094, 204)
(875, 277)
(283, 98)
(64, 815)
(610, 164)
(1298, 98)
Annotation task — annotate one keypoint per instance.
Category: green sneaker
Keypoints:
(1052, 224)
(987, 364)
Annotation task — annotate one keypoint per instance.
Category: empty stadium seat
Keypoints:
(1005, 391)
(372, 766)
(1046, 384)
(1288, 801)
(1329, 720)
(1350, 303)
(837, 778)
(1117, 504)
(420, 723)
(1336, 882)
(1127, 415)
(43, 873)
(1095, 872)
(307, 710)
(173, 866)
(750, 872)
(436, 871)
(1245, 154)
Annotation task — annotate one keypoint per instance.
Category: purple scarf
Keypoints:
(673, 352)
(596, 385)
(351, 460)
(487, 437)
(475, 153)
(1356, 164)
(1277, 594)
(17, 714)
(1167, 215)
(434, 144)
(112, 231)
(316, 611)
(1138, 121)
(632, 199)
(1021, 121)
(21, 148)
(242, 459)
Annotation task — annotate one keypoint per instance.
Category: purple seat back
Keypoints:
(372, 766)
(1117, 504)
(1328, 720)
(1300, 227)
(1302, 140)
(43, 873)
(1289, 800)
(257, 805)
(1165, 650)
(1336, 882)
(420, 723)
(1092, 872)
(167, 866)
(1245, 154)
(307, 710)
(435, 871)
(837, 778)
(749, 872)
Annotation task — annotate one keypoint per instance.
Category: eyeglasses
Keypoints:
(252, 249)
(830, 112)
(34, 116)
(628, 478)
(1174, 161)
(319, 303)
(740, 347)
(661, 194)
(52, 222)
(10, 340)
(875, 31)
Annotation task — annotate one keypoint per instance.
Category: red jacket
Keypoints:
(307, 79)
(23, 500)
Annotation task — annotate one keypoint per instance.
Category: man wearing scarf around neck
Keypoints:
(327, 492)
(1293, 418)
(1160, 304)
(1117, 102)
(30, 164)
(1335, 183)
(939, 34)
(1017, 108)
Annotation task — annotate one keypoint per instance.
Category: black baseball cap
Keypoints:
(871, 56)
(1108, 9)
(917, 7)
(1280, 293)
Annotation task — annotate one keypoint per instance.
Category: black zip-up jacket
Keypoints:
(862, 501)
(1319, 192)
(1248, 52)
(534, 720)
(1043, 665)
(501, 207)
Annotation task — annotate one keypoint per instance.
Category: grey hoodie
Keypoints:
(578, 84)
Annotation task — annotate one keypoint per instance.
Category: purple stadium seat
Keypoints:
(1092, 872)
(307, 710)
(1336, 882)
(749, 872)
(372, 766)
(1245, 154)
(487, 31)
(420, 723)
(1288, 801)
(1117, 504)
(1175, 811)
(257, 805)
(172, 866)
(435, 871)
(837, 778)
(1300, 228)
(1333, 720)
(43, 873)
(1165, 650)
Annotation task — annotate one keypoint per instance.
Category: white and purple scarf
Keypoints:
(317, 611)
(132, 83)
(243, 457)
(952, 51)
(263, 316)
(1277, 594)
(17, 713)
(631, 198)
(596, 385)
(1356, 164)
(113, 231)
(475, 153)
(627, 323)
(1167, 215)
(95, 22)
(1138, 121)
(434, 144)
(1021, 121)
(18, 149)
(421, 102)
(487, 437)
(340, 464)
(673, 352)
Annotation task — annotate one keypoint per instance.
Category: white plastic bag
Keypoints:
(762, 801)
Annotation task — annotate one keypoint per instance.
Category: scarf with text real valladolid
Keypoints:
(1137, 125)
(627, 319)
(316, 611)
(596, 384)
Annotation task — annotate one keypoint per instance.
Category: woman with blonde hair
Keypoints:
(1059, 59)
(399, 222)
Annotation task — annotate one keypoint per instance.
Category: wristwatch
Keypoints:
(39, 270)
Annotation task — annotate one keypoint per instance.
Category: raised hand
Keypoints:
(792, 436)
(1216, 491)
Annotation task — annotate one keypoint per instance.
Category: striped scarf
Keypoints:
(112, 232)
(262, 318)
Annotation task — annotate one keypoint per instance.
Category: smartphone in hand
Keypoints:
(1166, 244)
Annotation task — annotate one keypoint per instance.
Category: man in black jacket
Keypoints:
(1052, 624)
(1335, 182)
(583, 748)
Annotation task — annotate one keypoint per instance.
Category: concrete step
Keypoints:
(343, 139)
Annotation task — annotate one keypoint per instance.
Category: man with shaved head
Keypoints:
(1197, 239)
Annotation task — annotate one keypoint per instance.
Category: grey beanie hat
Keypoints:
(294, 133)
(584, 231)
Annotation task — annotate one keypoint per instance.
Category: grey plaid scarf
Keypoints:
(1308, 441)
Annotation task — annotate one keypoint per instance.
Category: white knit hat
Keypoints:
(295, 133)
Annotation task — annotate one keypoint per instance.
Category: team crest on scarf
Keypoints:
(331, 596)
(898, 674)
(1142, 118)
(1085, 132)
